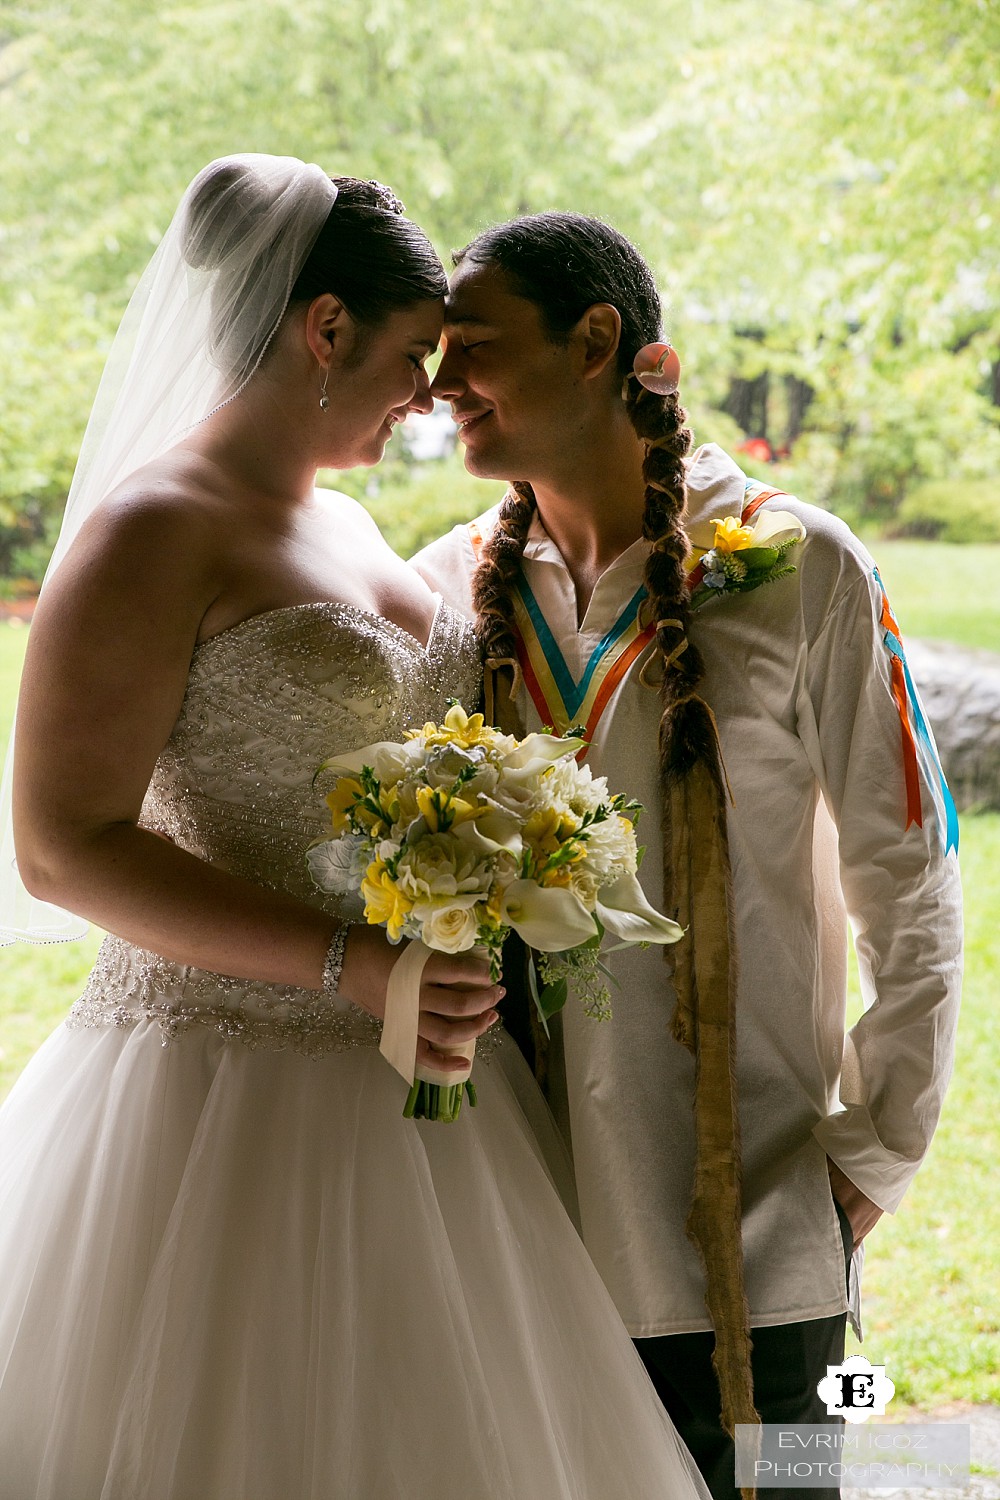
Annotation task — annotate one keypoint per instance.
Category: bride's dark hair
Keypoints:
(366, 252)
(371, 256)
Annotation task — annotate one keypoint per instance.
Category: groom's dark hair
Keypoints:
(566, 262)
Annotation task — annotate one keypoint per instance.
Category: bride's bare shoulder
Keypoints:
(159, 535)
(344, 510)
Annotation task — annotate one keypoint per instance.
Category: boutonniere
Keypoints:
(742, 557)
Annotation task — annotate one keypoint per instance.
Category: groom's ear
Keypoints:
(329, 328)
(599, 332)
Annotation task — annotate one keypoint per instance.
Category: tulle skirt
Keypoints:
(241, 1275)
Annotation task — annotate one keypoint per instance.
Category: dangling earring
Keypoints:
(324, 400)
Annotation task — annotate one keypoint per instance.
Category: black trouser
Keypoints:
(787, 1360)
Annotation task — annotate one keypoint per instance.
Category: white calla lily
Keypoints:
(548, 918)
(494, 832)
(623, 909)
(772, 528)
(538, 750)
(355, 762)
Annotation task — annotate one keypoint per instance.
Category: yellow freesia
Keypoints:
(541, 830)
(459, 728)
(384, 901)
(548, 828)
(441, 811)
(494, 902)
(732, 536)
(340, 800)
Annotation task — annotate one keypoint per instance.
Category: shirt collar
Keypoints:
(715, 489)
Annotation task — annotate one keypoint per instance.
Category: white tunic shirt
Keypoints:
(798, 675)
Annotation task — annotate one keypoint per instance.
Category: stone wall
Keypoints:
(960, 689)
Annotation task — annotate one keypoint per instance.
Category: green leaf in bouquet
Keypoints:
(553, 998)
(549, 1000)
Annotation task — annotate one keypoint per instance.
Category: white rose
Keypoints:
(392, 762)
(450, 929)
(446, 762)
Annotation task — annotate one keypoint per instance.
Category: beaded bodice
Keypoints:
(267, 702)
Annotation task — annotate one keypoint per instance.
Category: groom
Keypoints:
(774, 736)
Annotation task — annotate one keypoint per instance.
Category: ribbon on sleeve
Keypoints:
(919, 751)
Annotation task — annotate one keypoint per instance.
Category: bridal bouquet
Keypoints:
(461, 834)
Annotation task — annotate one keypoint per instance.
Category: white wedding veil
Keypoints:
(193, 334)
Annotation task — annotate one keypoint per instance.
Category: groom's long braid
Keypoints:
(499, 565)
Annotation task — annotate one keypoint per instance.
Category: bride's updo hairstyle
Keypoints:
(565, 263)
(241, 228)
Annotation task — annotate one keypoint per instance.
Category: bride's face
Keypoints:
(376, 379)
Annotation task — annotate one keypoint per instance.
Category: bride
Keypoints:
(231, 1269)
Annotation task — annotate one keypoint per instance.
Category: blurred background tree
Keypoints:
(814, 182)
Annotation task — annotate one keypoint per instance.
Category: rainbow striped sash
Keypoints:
(919, 754)
(561, 701)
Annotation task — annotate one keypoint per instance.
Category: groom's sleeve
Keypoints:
(447, 566)
(901, 887)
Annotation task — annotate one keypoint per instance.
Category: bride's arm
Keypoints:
(104, 679)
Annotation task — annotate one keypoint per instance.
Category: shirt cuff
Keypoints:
(851, 1141)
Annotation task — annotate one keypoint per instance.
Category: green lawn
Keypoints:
(932, 1294)
(937, 590)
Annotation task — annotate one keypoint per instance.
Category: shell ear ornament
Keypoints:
(324, 400)
(658, 368)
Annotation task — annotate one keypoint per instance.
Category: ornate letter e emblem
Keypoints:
(856, 1390)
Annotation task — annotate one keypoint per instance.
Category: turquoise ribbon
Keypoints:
(932, 768)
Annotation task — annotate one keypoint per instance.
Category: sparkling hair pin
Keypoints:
(386, 197)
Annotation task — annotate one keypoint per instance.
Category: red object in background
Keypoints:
(758, 449)
(17, 609)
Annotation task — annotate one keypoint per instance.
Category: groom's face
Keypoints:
(514, 393)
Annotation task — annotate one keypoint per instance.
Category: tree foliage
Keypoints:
(814, 183)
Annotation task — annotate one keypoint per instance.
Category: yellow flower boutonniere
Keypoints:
(742, 557)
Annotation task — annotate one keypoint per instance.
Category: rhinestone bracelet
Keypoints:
(332, 966)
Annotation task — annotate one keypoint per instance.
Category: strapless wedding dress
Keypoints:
(229, 1268)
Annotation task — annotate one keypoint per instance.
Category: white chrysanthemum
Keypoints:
(575, 787)
(611, 849)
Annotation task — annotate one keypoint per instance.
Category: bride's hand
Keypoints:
(457, 996)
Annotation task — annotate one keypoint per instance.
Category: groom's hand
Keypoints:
(457, 996)
(862, 1212)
